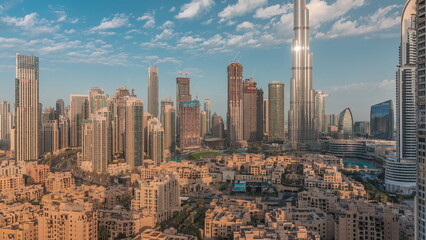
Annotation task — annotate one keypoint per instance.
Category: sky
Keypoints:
(111, 43)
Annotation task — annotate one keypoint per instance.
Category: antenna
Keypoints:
(252, 74)
(236, 55)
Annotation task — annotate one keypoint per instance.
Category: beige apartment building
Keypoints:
(325, 200)
(59, 181)
(23, 231)
(11, 182)
(38, 173)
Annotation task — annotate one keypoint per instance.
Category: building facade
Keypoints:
(276, 111)
(235, 106)
(382, 120)
(153, 91)
(79, 111)
(189, 125)
(134, 132)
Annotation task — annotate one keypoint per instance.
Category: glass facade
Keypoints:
(382, 120)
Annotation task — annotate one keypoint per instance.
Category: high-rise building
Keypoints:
(153, 91)
(217, 126)
(235, 106)
(97, 99)
(146, 118)
(250, 110)
(27, 108)
(189, 115)
(361, 129)
(203, 126)
(50, 136)
(118, 107)
(64, 131)
(183, 90)
(79, 111)
(134, 132)
(48, 114)
(381, 120)
(346, 123)
(265, 117)
(60, 107)
(156, 141)
(164, 104)
(97, 140)
(6, 121)
(276, 110)
(301, 128)
(208, 109)
(259, 115)
(320, 126)
(169, 124)
(400, 171)
(420, 199)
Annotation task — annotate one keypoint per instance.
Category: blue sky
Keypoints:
(109, 43)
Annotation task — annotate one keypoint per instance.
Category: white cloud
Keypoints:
(383, 19)
(241, 8)
(208, 21)
(172, 9)
(119, 20)
(273, 10)
(59, 47)
(168, 24)
(149, 18)
(245, 26)
(166, 34)
(194, 8)
(70, 31)
(31, 24)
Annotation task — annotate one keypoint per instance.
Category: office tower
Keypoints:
(6, 121)
(27, 108)
(276, 111)
(169, 124)
(208, 109)
(146, 119)
(119, 118)
(97, 99)
(203, 126)
(320, 111)
(60, 107)
(217, 126)
(79, 110)
(158, 196)
(50, 136)
(97, 140)
(156, 141)
(64, 131)
(420, 199)
(153, 91)
(134, 132)
(362, 129)
(265, 117)
(189, 115)
(164, 104)
(346, 123)
(183, 91)
(301, 128)
(250, 110)
(400, 171)
(335, 119)
(381, 120)
(259, 115)
(235, 106)
(48, 114)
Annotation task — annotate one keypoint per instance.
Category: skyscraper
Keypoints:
(169, 124)
(259, 115)
(346, 123)
(79, 110)
(265, 117)
(164, 104)
(153, 91)
(361, 129)
(381, 120)
(183, 90)
(235, 106)
(27, 108)
(134, 132)
(156, 141)
(320, 111)
(189, 114)
(97, 99)
(301, 116)
(203, 126)
(6, 121)
(217, 127)
(400, 171)
(250, 110)
(60, 107)
(276, 110)
(49, 136)
(420, 199)
(64, 131)
(208, 109)
(118, 107)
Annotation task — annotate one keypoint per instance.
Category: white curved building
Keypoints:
(400, 176)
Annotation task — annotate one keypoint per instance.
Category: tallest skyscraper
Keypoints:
(302, 96)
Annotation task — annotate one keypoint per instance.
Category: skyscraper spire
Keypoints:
(302, 96)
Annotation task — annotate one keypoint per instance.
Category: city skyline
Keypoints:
(206, 75)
